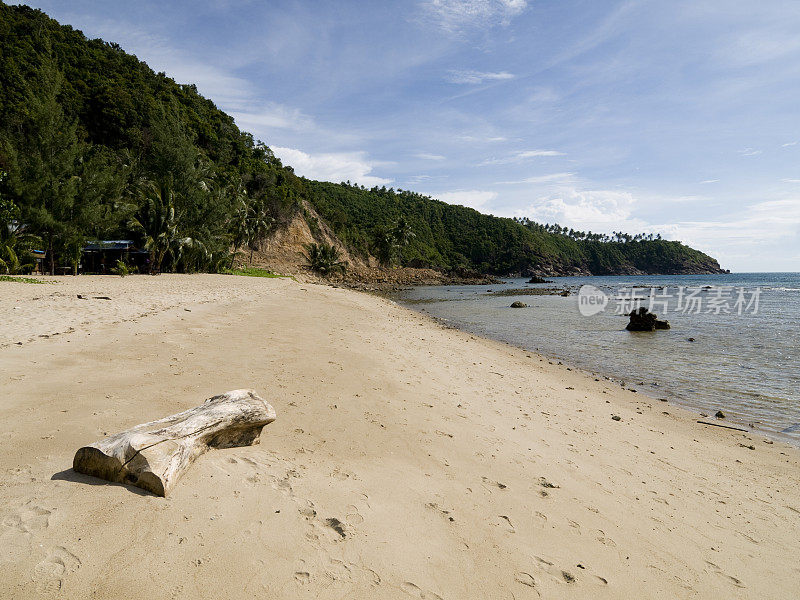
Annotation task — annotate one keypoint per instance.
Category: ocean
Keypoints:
(732, 345)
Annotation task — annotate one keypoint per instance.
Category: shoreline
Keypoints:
(594, 374)
(554, 333)
(459, 466)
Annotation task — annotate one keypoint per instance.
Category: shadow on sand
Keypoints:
(73, 476)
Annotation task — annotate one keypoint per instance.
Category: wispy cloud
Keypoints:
(535, 153)
(455, 16)
(476, 199)
(521, 156)
(272, 116)
(427, 156)
(335, 167)
(759, 46)
(475, 77)
(749, 152)
(790, 180)
(705, 181)
(474, 138)
(424, 178)
(743, 231)
(548, 178)
(787, 144)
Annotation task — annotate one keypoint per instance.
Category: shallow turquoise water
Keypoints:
(747, 364)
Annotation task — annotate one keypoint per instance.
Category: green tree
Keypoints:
(250, 222)
(324, 259)
(402, 234)
(15, 242)
(158, 223)
(46, 165)
(384, 245)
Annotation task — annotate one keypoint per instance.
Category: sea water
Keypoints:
(745, 330)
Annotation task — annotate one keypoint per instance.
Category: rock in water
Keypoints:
(537, 279)
(519, 304)
(643, 320)
(153, 456)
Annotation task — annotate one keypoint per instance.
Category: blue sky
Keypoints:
(676, 117)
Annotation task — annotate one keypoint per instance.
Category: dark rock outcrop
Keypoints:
(643, 320)
(519, 304)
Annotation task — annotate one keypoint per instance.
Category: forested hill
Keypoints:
(95, 145)
(452, 237)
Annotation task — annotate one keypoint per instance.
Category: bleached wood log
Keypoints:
(154, 455)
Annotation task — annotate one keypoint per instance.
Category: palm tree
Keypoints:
(402, 234)
(384, 245)
(157, 222)
(15, 247)
(325, 259)
(15, 242)
(251, 222)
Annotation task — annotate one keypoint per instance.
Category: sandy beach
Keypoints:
(407, 460)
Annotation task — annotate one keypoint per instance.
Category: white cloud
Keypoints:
(535, 153)
(738, 236)
(549, 178)
(426, 156)
(709, 181)
(473, 138)
(476, 199)
(474, 77)
(455, 16)
(272, 116)
(733, 238)
(595, 210)
(787, 144)
(790, 180)
(335, 166)
(749, 152)
(520, 157)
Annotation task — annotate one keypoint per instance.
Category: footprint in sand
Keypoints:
(603, 539)
(527, 580)
(716, 569)
(306, 508)
(29, 518)
(502, 486)
(353, 517)
(50, 573)
(555, 573)
(510, 526)
(562, 576)
(342, 475)
(414, 591)
(575, 525)
(302, 577)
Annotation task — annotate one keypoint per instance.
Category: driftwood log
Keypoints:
(154, 455)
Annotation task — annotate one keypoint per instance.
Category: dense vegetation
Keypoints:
(95, 145)
(456, 237)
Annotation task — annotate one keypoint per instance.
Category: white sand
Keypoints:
(433, 448)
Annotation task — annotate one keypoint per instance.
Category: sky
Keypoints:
(678, 117)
